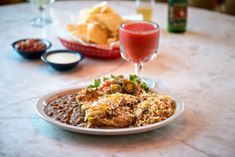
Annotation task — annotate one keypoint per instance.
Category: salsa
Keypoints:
(31, 45)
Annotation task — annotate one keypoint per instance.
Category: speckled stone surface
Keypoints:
(197, 66)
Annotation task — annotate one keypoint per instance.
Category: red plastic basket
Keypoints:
(92, 50)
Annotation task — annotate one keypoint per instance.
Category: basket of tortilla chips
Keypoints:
(96, 34)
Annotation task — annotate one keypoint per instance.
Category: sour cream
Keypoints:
(63, 58)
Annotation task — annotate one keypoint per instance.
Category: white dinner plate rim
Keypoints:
(99, 131)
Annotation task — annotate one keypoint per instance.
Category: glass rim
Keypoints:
(156, 26)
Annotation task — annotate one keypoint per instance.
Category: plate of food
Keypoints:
(114, 105)
(95, 33)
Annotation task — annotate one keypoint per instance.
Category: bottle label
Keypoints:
(178, 15)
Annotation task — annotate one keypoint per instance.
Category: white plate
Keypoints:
(95, 131)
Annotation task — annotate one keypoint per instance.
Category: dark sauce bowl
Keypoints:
(62, 66)
(33, 54)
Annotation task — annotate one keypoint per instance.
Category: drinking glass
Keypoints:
(42, 20)
(145, 7)
(139, 41)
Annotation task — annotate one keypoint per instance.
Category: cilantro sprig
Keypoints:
(145, 86)
(96, 84)
(136, 79)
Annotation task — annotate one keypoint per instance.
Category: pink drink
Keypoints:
(139, 40)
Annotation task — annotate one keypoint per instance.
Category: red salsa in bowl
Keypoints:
(31, 48)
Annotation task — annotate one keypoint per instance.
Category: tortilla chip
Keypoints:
(111, 21)
(97, 33)
(86, 16)
(79, 31)
(106, 10)
(100, 25)
(111, 40)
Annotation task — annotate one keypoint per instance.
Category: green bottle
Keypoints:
(177, 15)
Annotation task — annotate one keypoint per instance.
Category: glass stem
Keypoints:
(41, 11)
(138, 68)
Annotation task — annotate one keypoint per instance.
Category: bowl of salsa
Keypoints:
(31, 48)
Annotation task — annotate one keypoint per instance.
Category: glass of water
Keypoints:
(41, 20)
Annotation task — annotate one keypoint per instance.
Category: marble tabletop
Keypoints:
(197, 66)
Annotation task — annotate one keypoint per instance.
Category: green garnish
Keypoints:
(105, 78)
(119, 80)
(96, 84)
(145, 86)
(134, 78)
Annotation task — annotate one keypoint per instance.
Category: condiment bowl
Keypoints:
(62, 65)
(31, 54)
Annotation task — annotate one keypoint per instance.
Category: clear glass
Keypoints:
(139, 41)
(42, 20)
(145, 8)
